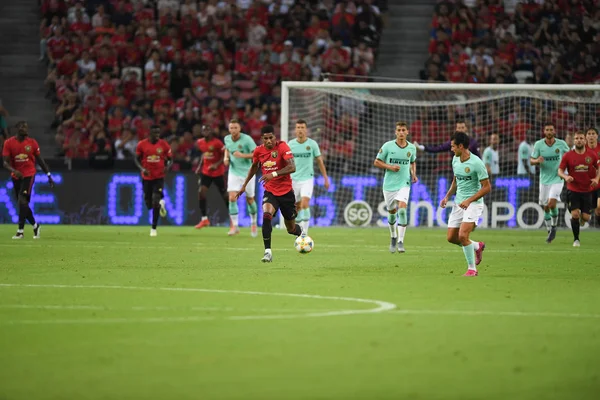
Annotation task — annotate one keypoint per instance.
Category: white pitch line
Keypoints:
(157, 308)
(496, 313)
(382, 306)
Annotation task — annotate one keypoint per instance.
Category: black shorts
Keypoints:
(151, 187)
(206, 180)
(285, 203)
(23, 186)
(580, 201)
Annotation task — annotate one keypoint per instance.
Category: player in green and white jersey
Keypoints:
(306, 151)
(471, 182)
(398, 159)
(238, 156)
(547, 153)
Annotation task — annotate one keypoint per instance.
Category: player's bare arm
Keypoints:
(451, 192)
(323, 170)
(289, 168)
(536, 161)
(485, 189)
(168, 164)
(567, 178)
(199, 167)
(382, 165)
(251, 173)
(138, 163)
(42, 163)
(596, 180)
(239, 154)
(226, 158)
(6, 163)
(413, 172)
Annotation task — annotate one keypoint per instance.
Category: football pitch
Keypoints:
(110, 313)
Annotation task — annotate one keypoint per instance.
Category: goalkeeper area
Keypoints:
(107, 312)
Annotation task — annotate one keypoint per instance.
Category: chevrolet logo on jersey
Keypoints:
(153, 159)
(269, 164)
(21, 157)
(581, 168)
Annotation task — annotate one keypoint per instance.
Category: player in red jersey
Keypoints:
(584, 175)
(154, 160)
(20, 154)
(277, 163)
(211, 170)
(591, 137)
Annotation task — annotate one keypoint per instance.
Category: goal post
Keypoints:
(351, 120)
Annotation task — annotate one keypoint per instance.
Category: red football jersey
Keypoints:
(271, 161)
(154, 156)
(213, 152)
(582, 167)
(595, 149)
(22, 155)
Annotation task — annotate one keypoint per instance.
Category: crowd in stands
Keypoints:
(540, 41)
(116, 67)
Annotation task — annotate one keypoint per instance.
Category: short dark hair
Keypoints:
(591, 128)
(461, 138)
(301, 121)
(401, 123)
(548, 123)
(235, 121)
(460, 121)
(267, 129)
(154, 127)
(582, 133)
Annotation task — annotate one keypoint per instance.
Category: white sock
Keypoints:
(162, 202)
(304, 226)
(204, 218)
(401, 233)
(393, 230)
(554, 221)
(475, 245)
(548, 223)
(234, 220)
(268, 251)
(473, 267)
(19, 230)
(253, 219)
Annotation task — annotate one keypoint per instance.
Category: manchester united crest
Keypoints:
(588, 160)
(274, 154)
(211, 148)
(159, 150)
(467, 170)
(28, 149)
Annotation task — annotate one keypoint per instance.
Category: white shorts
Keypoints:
(234, 184)
(397, 195)
(471, 214)
(548, 192)
(303, 189)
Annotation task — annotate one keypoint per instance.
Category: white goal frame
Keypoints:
(492, 87)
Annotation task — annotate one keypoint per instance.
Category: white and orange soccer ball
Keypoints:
(304, 244)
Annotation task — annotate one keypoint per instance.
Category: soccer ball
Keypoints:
(304, 244)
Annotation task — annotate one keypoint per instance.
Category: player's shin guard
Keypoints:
(392, 224)
(548, 219)
(233, 212)
(402, 222)
(575, 228)
(470, 256)
(554, 216)
(253, 211)
(267, 228)
(297, 230)
(155, 216)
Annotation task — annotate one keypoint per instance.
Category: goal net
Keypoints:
(351, 121)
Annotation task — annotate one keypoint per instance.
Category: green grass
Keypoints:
(527, 328)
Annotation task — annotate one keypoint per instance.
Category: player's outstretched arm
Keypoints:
(413, 172)
(168, 164)
(439, 148)
(382, 165)
(486, 188)
(42, 163)
(239, 154)
(251, 173)
(323, 170)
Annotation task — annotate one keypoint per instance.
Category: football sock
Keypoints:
(392, 224)
(252, 210)
(554, 215)
(575, 228)
(202, 204)
(30, 217)
(548, 219)
(475, 245)
(233, 212)
(402, 222)
(155, 215)
(306, 220)
(266, 230)
(470, 256)
(23, 212)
